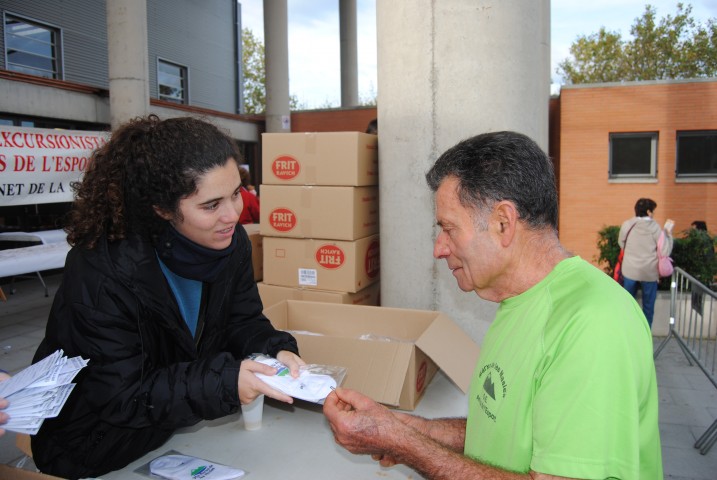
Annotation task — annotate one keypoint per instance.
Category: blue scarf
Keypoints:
(191, 260)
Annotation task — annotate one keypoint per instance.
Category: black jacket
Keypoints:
(146, 376)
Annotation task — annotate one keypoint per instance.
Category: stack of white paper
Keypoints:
(39, 391)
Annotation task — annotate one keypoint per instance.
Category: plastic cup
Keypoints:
(252, 413)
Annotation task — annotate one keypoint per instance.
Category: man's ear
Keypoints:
(506, 214)
(162, 213)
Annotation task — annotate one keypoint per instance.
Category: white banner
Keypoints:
(37, 165)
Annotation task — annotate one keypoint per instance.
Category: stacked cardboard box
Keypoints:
(319, 217)
(257, 250)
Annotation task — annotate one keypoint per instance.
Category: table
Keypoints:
(26, 260)
(43, 236)
(294, 442)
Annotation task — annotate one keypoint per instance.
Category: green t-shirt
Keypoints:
(565, 383)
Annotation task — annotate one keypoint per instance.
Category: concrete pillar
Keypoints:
(128, 60)
(276, 51)
(349, 53)
(473, 66)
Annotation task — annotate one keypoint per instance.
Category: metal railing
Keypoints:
(692, 324)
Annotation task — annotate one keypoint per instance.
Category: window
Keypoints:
(697, 154)
(172, 80)
(633, 155)
(32, 48)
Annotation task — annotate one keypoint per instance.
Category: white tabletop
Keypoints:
(20, 261)
(44, 236)
(294, 442)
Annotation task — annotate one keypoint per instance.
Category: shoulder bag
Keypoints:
(664, 262)
(617, 273)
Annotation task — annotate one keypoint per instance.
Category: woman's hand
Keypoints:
(250, 386)
(291, 360)
(669, 225)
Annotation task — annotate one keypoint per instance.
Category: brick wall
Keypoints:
(333, 120)
(588, 201)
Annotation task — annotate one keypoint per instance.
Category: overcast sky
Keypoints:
(314, 37)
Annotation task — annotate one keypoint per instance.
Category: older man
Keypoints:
(565, 384)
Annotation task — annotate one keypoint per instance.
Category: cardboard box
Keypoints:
(257, 250)
(335, 265)
(326, 158)
(272, 294)
(338, 213)
(8, 472)
(401, 352)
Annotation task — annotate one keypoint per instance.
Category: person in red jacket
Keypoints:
(250, 213)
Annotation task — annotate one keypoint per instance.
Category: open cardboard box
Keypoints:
(402, 350)
(8, 472)
(271, 294)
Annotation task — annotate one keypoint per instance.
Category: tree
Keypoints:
(254, 71)
(675, 47)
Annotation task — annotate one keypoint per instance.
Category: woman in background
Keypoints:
(638, 237)
(158, 293)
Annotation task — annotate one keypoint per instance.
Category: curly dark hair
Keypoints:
(148, 163)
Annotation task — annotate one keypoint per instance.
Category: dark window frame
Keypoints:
(615, 138)
(12, 46)
(183, 80)
(681, 149)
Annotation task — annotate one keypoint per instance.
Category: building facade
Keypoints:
(621, 142)
(55, 67)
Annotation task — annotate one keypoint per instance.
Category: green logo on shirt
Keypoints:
(487, 398)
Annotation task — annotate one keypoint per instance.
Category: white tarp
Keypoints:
(37, 165)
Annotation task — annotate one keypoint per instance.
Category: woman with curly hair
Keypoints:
(158, 293)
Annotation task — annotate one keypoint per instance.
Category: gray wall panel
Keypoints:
(199, 35)
(84, 35)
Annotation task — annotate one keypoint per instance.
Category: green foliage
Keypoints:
(673, 48)
(609, 248)
(254, 73)
(695, 254)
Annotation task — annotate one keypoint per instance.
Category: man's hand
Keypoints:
(361, 425)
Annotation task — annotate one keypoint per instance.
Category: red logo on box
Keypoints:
(330, 256)
(282, 219)
(373, 260)
(285, 167)
(421, 376)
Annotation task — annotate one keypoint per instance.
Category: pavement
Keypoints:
(688, 400)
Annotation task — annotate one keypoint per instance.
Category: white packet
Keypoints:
(185, 467)
(314, 383)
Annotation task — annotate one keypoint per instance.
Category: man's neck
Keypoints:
(533, 256)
